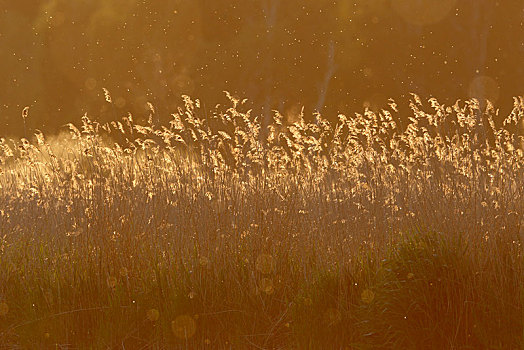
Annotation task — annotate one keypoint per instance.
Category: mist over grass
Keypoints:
(217, 231)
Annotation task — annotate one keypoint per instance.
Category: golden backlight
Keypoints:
(261, 174)
(324, 55)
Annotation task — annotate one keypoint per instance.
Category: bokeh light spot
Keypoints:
(484, 88)
(265, 263)
(120, 102)
(153, 315)
(203, 261)
(332, 316)
(184, 327)
(367, 296)
(90, 83)
(267, 286)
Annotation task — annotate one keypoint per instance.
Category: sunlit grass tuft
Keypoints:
(215, 231)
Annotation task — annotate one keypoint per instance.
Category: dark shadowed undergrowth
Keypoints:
(216, 232)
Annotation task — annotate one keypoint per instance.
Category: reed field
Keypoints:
(222, 230)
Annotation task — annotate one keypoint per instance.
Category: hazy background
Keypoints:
(330, 56)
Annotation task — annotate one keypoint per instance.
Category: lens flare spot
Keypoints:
(484, 88)
(367, 296)
(265, 263)
(153, 315)
(332, 316)
(120, 102)
(124, 272)
(204, 261)
(184, 327)
(90, 83)
(267, 286)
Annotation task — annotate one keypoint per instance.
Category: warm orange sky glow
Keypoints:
(331, 56)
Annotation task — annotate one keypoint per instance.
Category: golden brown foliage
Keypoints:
(213, 231)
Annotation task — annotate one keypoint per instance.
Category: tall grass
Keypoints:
(214, 232)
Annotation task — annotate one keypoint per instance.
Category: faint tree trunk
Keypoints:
(482, 20)
(269, 9)
(330, 71)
